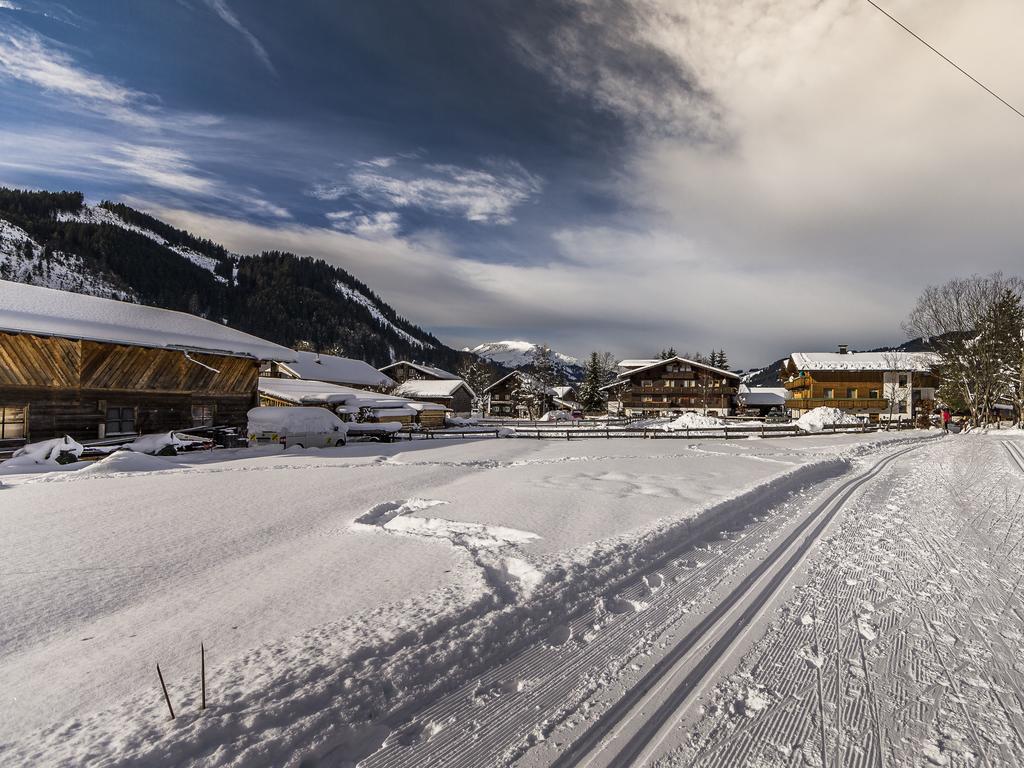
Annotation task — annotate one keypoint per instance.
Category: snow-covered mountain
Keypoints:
(519, 354)
(56, 240)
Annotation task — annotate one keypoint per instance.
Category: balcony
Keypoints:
(842, 403)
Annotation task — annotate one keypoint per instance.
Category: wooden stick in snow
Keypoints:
(166, 697)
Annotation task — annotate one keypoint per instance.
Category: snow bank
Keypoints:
(154, 444)
(126, 461)
(556, 416)
(817, 419)
(283, 420)
(694, 421)
(46, 452)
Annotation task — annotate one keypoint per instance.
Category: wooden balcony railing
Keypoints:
(843, 403)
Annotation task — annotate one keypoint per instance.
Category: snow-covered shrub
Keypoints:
(60, 450)
(163, 444)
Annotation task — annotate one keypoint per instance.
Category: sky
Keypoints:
(763, 176)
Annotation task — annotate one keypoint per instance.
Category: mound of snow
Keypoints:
(817, 419)
(126, 461)
(45, 452)
(153, 444)
(556, 416)
(694, 421)
(285, 421)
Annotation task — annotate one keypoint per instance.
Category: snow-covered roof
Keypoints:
(658, 363)
(563, 392)
(639, 363)
(47, 312)
(762, 395)
(864, 361)
(344, 370)
(321, 392)
(437, 373)
(432, 388)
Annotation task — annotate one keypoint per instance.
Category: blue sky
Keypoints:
(615, 175)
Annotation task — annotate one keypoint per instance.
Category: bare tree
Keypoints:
(957, 317)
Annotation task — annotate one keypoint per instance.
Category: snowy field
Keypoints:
(336, 591)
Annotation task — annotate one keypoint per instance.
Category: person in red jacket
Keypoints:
(946, 418)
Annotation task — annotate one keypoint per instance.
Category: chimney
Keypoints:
(844, 349)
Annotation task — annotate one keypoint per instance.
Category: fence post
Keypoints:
(164, 687)
(202, 674)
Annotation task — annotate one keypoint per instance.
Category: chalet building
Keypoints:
(675, 385)
(344, 371)
(500, 399)
(349, 403)
(95, 368)
(875, 385)
(453, 394)
(403, 370)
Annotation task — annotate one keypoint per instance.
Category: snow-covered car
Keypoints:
(306, 427)
(777, 416)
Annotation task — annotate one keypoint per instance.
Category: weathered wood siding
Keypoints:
(68, 385)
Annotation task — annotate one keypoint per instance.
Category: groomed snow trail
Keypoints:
(904, 645)
(553, 688)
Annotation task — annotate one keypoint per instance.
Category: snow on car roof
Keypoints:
(310, 365)
(439, 373)
(431, 388)
(864, 361)
(48, 312)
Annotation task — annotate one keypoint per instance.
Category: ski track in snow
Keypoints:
(903, 647)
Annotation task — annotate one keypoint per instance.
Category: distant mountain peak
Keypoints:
(516, 353)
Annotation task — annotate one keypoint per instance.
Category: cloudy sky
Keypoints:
(758, 175)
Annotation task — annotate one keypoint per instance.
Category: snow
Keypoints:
(46, 312)
(817, 419)
(330, 587)
(337, 370)
(516, 354)
(155, 443)
(95, 214)
(428, 370)
(431, 387)
(624, 374)
(918, 362)
(353, 295)
(65, 271)
(285, 421)
(45, 452)
(774, 396)
(344, 399)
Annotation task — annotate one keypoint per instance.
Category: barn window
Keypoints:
(851, 393)
(120, 420)
(828, 394)
(202, 415)
(12, 422)
(874, 394)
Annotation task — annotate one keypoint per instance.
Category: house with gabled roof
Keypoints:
(675, 385)
(334, 369)
(96, 368)
(876, 385)
(403, 370)
(505, 397)
(454, 394)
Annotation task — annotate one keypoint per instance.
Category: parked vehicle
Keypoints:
(306, 427)
(777, 416)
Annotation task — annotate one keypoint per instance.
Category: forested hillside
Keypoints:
(54, 239)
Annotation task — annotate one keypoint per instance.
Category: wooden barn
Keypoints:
(454, 394)
(333, 369)
(95, 368)
(504, 397)
(675, 385)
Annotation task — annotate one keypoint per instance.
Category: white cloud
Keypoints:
(368, 225)
(24, 56)
(228, 16)
(162, 167)
(484, 195)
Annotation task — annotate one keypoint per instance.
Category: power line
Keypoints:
(945, 58)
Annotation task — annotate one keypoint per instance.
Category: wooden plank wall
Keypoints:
(34, 361)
